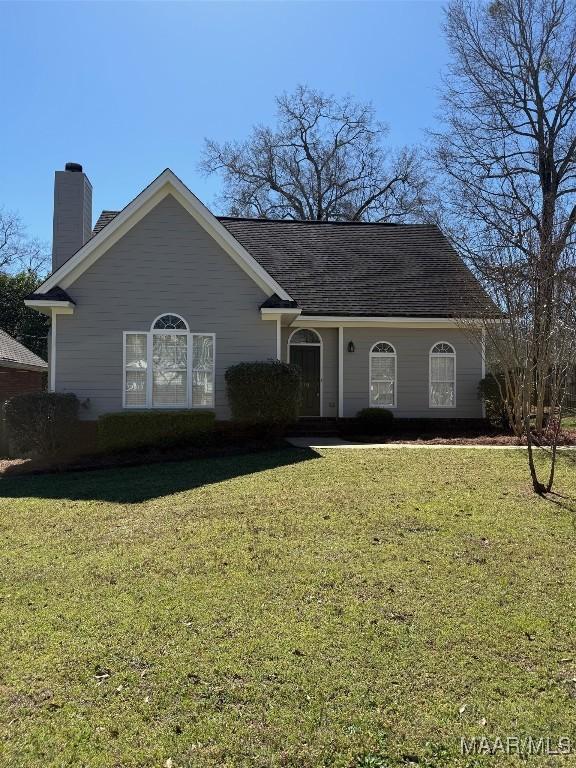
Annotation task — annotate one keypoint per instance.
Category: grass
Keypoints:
(353, 608)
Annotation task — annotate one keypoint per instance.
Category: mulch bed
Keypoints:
(232, 446)
(13, 467)
(566, 438)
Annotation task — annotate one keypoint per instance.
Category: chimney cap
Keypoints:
(73, 167)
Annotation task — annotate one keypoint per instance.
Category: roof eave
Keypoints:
(47, 306)
(7, 363)
(384, 320)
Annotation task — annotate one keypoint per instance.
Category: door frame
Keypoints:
(320, 344)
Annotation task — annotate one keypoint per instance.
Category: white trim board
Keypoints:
(279, 339)
(336, 321)
(46, 307)
(165, 184)
(340, 372)
(272, 312)
(52, 358)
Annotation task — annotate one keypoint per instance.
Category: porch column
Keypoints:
(340, 372)
(52, 353)
(279, 338)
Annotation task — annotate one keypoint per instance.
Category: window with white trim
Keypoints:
(169, 366)
(442, 375)
(202, 371)
(383, 375)
(135, 369)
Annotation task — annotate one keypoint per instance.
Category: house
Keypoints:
(20, 369)
(152, 306)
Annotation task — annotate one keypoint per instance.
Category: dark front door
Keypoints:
(308, 360)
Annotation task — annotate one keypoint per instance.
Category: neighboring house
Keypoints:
(20, 370)
(151, 308)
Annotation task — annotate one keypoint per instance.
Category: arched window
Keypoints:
(305, 336)
(382, 375)
(442, 375)
(169, 362)
(170, 323)
(169, 367)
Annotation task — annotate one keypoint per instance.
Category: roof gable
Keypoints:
(165, 184)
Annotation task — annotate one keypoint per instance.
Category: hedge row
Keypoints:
(141, 429)
(40, 423)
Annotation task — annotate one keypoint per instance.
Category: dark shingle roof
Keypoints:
(14, 353)
(333, 268)
(275, 302)
(56, 294)
(370, 270)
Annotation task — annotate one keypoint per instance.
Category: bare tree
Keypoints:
(508, 155)
(325, 160)
(18, 252)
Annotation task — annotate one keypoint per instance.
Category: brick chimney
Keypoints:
(72, 225)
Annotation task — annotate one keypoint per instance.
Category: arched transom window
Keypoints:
(305, 336)
(170, 323)
(169, 366)
(442, 375)
(383, 375)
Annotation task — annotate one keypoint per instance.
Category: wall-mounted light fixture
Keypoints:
(351, 347)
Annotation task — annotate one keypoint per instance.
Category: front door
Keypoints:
(307, 358)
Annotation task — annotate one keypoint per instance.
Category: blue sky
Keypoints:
(128, 89)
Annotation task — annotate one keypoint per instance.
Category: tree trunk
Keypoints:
(538, 487)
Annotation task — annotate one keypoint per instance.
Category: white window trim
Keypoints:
(432, 355)
(320, 344)
(149, 368)
(373, 354)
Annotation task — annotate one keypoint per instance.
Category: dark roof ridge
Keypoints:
(107, 215)
(108, 212)
(336, 223)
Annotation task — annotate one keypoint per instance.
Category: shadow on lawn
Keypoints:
(567, 503)
(132, 485)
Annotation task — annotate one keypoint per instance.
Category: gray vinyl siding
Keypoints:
(165, 263)
(329, 338)
(412, 371)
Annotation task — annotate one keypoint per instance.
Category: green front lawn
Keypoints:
(355, 608)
